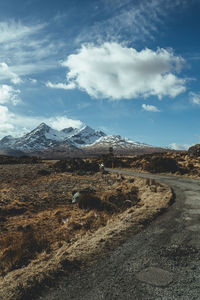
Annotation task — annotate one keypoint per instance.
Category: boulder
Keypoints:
(86, 199)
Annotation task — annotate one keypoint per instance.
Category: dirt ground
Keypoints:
(43, 234)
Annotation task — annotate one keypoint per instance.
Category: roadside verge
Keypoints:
(155, 197)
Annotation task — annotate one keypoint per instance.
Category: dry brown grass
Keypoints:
(37, 215)
(18, 248)
(187, 166)
(28, 235)
(49, 233)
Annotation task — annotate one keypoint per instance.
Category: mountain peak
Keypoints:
(8, 137)
(44, 137)
(86, 136)
(43, 126)
(86, 128)
(68, 130)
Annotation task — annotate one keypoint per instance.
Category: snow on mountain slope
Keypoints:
(86, 136)
(41, 137)
(44, 137)
(7, 141)
(116, 141)
(69, 132)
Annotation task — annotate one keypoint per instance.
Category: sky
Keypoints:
(125, 67)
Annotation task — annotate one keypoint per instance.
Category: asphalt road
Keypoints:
(160, 262)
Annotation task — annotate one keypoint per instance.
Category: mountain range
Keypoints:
(50, 143)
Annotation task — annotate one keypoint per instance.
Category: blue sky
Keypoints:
(125, 67)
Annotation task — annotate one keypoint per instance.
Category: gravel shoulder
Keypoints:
(159, 262)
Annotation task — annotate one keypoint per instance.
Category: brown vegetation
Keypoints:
(178, 163)
(41, 231)
(77, 165)
(194, 150)
(36, 213)
(18, 160)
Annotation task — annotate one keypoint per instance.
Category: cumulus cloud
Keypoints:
(118, 72)
(17, 125)
(176, 146)
(61, 122)
(5, 72)
(8, 94)
(5, 125)
(5, 114)
(195, 98)
(151, 108)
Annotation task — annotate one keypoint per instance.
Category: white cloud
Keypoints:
(5, 114)
(26, 49)
(150, 108)
(5, 72)
(63, 86)
(17, 125)
(9, 95)
(117, 72)
(14, 31)
(61, 122)
(176, 146)
(5, 125)
(195, 98)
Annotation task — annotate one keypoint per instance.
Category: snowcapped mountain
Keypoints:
(116, 141)
(7, 142)
(86, 136)
(46, 142)
(43, 137)
(70, 131)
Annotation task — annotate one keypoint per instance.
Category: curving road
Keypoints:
(160, 262)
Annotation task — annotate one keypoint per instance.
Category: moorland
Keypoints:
(43, 234)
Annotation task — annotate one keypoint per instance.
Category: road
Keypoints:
(160, 262)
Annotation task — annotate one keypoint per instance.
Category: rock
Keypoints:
(87, 199)
(75, 197)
